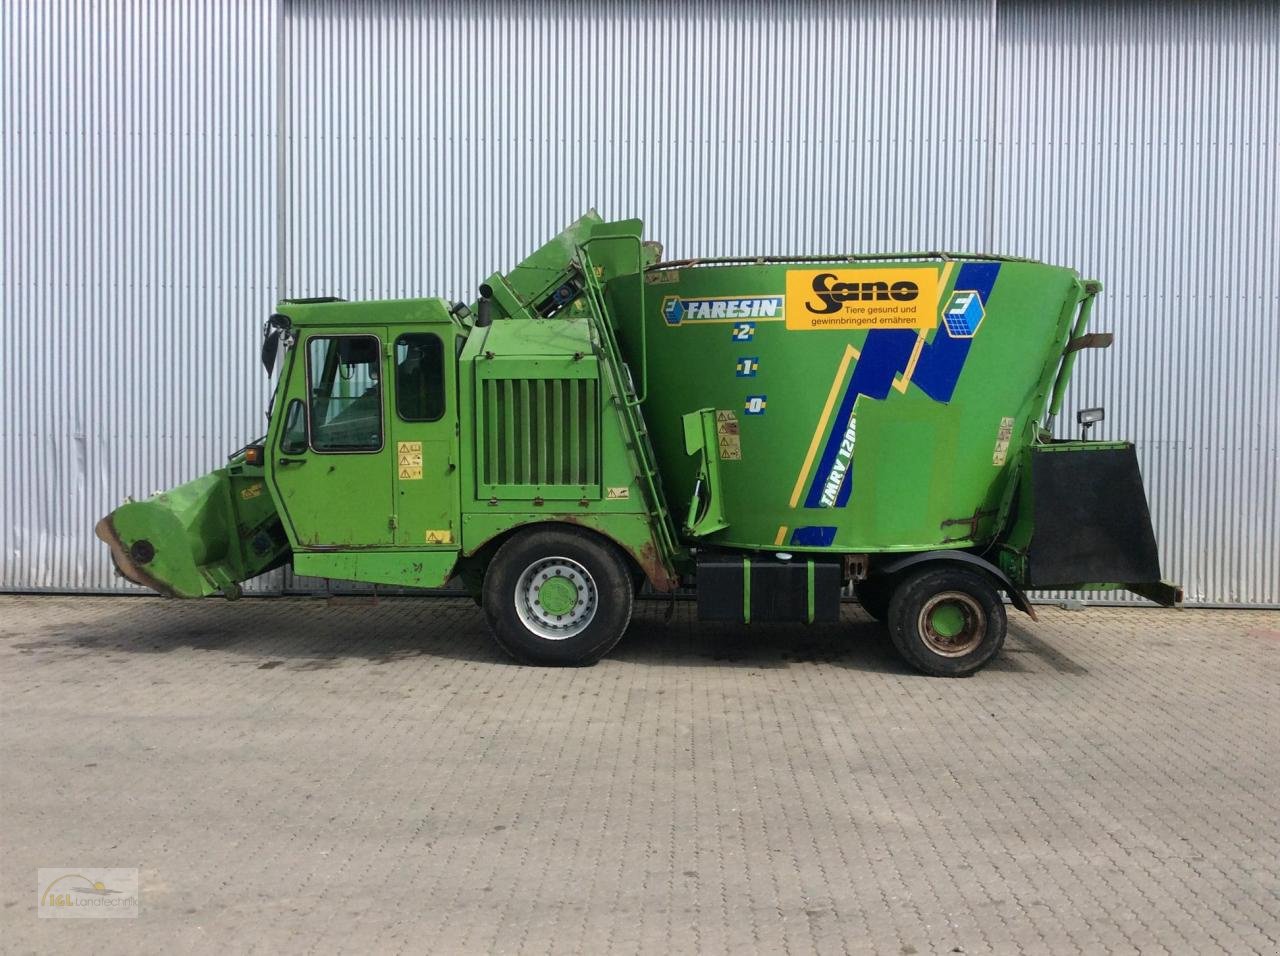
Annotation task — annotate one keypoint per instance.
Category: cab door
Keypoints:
(331, 461)
(424, 430)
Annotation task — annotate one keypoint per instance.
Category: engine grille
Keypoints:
(540, 432)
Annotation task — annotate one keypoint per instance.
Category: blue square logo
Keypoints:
(963, 314)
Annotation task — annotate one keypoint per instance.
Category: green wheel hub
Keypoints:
(952, 623)
(557, 595)
(947, 620)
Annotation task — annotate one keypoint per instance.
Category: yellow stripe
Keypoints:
(942, 286)
(776, 318)
(901, 382)
(850, 353)
(781, 536)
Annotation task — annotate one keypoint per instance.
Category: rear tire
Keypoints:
(557, 597)
(947, 622)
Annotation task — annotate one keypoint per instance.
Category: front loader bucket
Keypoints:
(201, 538)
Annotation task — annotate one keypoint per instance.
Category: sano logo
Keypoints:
(831, 293)
(869, 298)
(677, 310)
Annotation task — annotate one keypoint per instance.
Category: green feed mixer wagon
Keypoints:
(764, 431)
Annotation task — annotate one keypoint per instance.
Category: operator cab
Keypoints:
(363, 442)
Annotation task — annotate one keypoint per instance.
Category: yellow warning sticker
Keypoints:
(442, 536)
(253, 491)
(1003, 437)
(409, 459)
(727, 435)
(618, 494)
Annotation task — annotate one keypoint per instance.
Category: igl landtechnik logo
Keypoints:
(80, 892)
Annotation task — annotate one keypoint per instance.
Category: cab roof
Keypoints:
(334, 311)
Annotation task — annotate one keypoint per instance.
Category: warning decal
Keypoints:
(727, 436)
(1003, 437)
(409, 460)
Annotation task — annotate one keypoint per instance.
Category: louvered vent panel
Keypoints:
(541, 433)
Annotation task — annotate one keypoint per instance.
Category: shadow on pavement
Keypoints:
(318, 633)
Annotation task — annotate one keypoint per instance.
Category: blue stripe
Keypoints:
(885, 353)
(814, 536)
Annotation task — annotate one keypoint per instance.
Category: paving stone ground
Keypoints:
(303, 775)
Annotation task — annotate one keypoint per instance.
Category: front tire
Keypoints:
(947, 622)
(557, 597)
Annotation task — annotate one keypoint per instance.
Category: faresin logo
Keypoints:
(867, 298)
(677, 310)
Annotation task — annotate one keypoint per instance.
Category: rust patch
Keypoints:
(654, 569)
(971, 522)
(647, 556)
(120, 557)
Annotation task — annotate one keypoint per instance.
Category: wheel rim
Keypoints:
(952, 623)
(556, 598)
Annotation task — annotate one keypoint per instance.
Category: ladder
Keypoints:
(643, 461)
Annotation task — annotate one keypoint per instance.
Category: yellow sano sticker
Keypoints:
(871, 298)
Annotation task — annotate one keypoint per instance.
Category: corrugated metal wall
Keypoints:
(139, 211)
(1139, 143)
(171, 168)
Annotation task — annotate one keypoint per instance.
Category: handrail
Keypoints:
(1090, 290)
(643, 391)
(646, 466)
(837, 257)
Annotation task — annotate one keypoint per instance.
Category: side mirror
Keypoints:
(271, 329)
(270, 347)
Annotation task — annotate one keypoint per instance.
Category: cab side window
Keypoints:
(294, 439)
(419, 377)
(344, 391)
